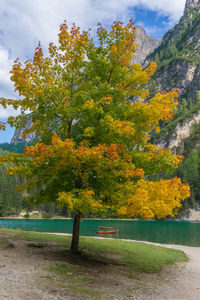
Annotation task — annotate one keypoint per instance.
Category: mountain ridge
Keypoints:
(178, 55)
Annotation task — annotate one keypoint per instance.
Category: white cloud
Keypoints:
(5, 65)
(5, 83)
(171, 8)
(24, 22)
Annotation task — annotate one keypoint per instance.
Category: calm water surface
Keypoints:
(167, 232)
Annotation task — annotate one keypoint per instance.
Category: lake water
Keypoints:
(167, 232)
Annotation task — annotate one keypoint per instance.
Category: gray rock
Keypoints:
(183, 69)
(18, 135)
(191, 4)
(146, 45)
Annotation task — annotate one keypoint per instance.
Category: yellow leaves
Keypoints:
(129, 174)
(144, 94)
(122, 211)
(156, 160)
(135, 81)
(79, 200)
(150, 70)
(86, 194)
(57, 143)
(156, 199)
(38, 56)
(66, 104)
(157, 129)
(55, 139)
(86, 201)
(65, 199)
(119, 127)
(113, 51)
(11, 171)
(146, 115)
(108, 120)
(106, 100)
(73, 44)
(162, 105)
(125, 60)
(123, 42)
(64, 36)
(89, 104)
(88, 132)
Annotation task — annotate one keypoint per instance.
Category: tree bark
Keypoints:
(75, 235)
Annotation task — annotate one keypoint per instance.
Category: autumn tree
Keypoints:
(93, 152)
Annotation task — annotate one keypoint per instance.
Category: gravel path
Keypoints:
(19, 271)
(186, 284)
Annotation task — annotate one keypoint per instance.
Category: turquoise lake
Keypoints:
(166, 232)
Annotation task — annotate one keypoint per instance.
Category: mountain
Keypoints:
(191, 4)
(178, 59)
(178, 55)
(146, 44)
(18, 135)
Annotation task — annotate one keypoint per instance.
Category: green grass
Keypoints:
(61, 268)
(138, 256)
(5, 244)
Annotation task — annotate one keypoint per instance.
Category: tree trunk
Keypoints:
(75, 235)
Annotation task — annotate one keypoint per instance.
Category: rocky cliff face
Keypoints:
(178, 59)
(191, 4)
(182, 132)
(18, 135)
(146, 45)
(178, 55)
(179, 73)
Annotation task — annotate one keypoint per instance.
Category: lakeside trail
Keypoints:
(25, 275)
(183, 283)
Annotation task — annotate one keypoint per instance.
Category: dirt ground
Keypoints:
(43, 272)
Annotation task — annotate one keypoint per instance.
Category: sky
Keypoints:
(25, 22)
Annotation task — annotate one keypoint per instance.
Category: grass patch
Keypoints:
(33, 236)
(139, 256)
(5, 244)
(72, 279)
(61, 269)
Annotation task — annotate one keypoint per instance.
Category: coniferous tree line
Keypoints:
(14, 147)
(11, 201)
